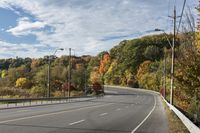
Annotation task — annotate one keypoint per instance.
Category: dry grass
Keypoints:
(175, 124)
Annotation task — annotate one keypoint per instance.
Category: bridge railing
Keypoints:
(22, 102)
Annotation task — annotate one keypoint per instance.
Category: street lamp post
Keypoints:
(49, 65)
(70, 70)
(172, 63)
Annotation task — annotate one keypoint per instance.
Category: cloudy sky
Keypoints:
(34, 28)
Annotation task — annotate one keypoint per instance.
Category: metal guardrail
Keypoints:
(189, 124)
(22, 102)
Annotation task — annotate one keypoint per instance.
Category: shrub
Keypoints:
(37, 91)
(58, 94)
(23, 83)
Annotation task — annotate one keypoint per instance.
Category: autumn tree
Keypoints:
(197, 41)
(37, 91)
(95, 75)
(149, 75)
(103, 63)
(23, 83)
(35, 63)
(3, 74)
(143, 69)
(40, 77)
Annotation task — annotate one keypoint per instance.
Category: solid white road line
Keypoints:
(77, 122)
(146, 116)
(49, 114)
(107, 91)
(107, 96)
(103, 114)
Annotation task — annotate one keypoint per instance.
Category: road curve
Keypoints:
(120, 111)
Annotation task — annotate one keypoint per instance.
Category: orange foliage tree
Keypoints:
(103, 63)
(35, 63)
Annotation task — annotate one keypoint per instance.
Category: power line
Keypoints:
(168, 20)
(181, 16)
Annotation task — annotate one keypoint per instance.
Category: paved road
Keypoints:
(120, 111)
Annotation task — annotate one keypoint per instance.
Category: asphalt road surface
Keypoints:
(120, 111)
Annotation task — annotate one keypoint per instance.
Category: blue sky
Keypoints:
(34, 28)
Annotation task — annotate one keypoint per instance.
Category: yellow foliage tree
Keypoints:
(143, 69)
(197, 41)
(3, 74)
(95, 76)
(23, 83)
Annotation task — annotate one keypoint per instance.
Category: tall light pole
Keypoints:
(49, 65)
(172, 61)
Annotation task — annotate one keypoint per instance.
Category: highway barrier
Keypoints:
(24, 102)
(189, 124)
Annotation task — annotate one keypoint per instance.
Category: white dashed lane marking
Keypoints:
(103, 114)
(118, 109)
(77, 122)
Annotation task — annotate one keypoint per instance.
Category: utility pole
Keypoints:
(69, 73)
(48, 83)
(49, 72)
(85, 84)
(165, 72)
(174, 17)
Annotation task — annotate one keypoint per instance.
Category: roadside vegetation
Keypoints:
(175, 124)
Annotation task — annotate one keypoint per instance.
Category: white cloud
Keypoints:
(83, 25)
(21, 50)
(26, 27)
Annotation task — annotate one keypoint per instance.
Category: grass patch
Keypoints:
(175, 124)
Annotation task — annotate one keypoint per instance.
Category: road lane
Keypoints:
(119, 111)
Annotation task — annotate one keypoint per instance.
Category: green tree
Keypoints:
(40, 77)
(153, 53)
